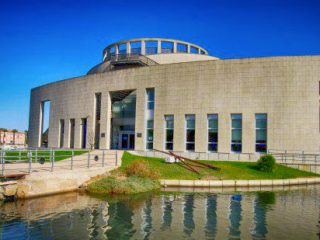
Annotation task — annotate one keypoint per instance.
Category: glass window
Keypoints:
(182, 48)
(112, 50)
(261, 133)
(166, 47)
(135, 47)
(149, 117)
(151, 47)
(123, 48)
(150, 99)
(236, 132)
(193, 49)
(169, 132)
(212, 132)
(190, 132)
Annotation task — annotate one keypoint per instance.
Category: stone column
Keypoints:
(224, 132)
(116, 49)
(179, 132)
(143, 47)
(66, 142)
(128, 48)
(159, 46)
(106, 118)
(174, 47)
(188, 48)
(248, 133)
(201, 135)
(140, 133)
(77, 133)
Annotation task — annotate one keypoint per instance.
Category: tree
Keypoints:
(91, 139)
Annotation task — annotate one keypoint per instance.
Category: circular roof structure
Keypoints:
(147, 52)
(151, 46)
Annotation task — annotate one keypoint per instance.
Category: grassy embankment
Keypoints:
(229, 170)
(59, 155)
(122, 181)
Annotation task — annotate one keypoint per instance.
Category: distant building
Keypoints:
(11, 137)
(166, 94)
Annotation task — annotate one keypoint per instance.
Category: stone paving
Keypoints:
(93, 159)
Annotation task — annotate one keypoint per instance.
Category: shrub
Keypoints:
(266, 163)
(141, 168)
(131, 185)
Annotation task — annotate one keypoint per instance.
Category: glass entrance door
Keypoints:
(126, 140)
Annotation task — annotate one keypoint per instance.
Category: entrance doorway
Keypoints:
(126, 140)
(123, 116)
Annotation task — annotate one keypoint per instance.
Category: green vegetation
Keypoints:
(229, 170)
(136, 177)
(266, 163)
(141, 169)
(130, 185)
(59, 155)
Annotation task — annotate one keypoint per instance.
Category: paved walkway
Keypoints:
(94, 159)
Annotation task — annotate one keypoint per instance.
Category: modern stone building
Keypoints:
(165, 94)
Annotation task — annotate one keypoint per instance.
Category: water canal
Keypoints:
(279, 214)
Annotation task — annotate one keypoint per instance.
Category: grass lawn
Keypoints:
(59, 155)
(229, 170)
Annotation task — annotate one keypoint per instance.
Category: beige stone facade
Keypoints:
(284, 88)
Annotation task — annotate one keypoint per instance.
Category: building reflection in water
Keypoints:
(262, 203)
(167, 212)
(146, 225)
(188, 222)
(235, 217)
(170, 215)
(211, 217)
(120, 221)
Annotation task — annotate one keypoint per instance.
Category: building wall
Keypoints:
(11, 138)
(286, 88)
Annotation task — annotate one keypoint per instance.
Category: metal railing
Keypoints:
(281, 156)
(131, 58)
(223, 156)
(295, 157)
(35, 160)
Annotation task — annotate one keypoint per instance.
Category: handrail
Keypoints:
(28, 161)
(131, 57)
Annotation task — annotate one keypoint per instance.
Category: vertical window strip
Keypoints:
(261, 133)
(61, 133)
(190, 132)
(149, 134)
(169, 132)
(212, 132)
(150, 98)
(236, 132)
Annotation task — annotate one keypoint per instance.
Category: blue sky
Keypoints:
(45, 41)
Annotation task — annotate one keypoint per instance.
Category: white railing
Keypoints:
(35, 160)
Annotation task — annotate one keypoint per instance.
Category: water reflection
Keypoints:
(235, 216)
(167, 212)
(188, 222)
(262, 203)
(261, 215)
(147, 219)
(211, 215)
(120, 221)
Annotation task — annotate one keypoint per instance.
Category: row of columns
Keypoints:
(159, 47)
